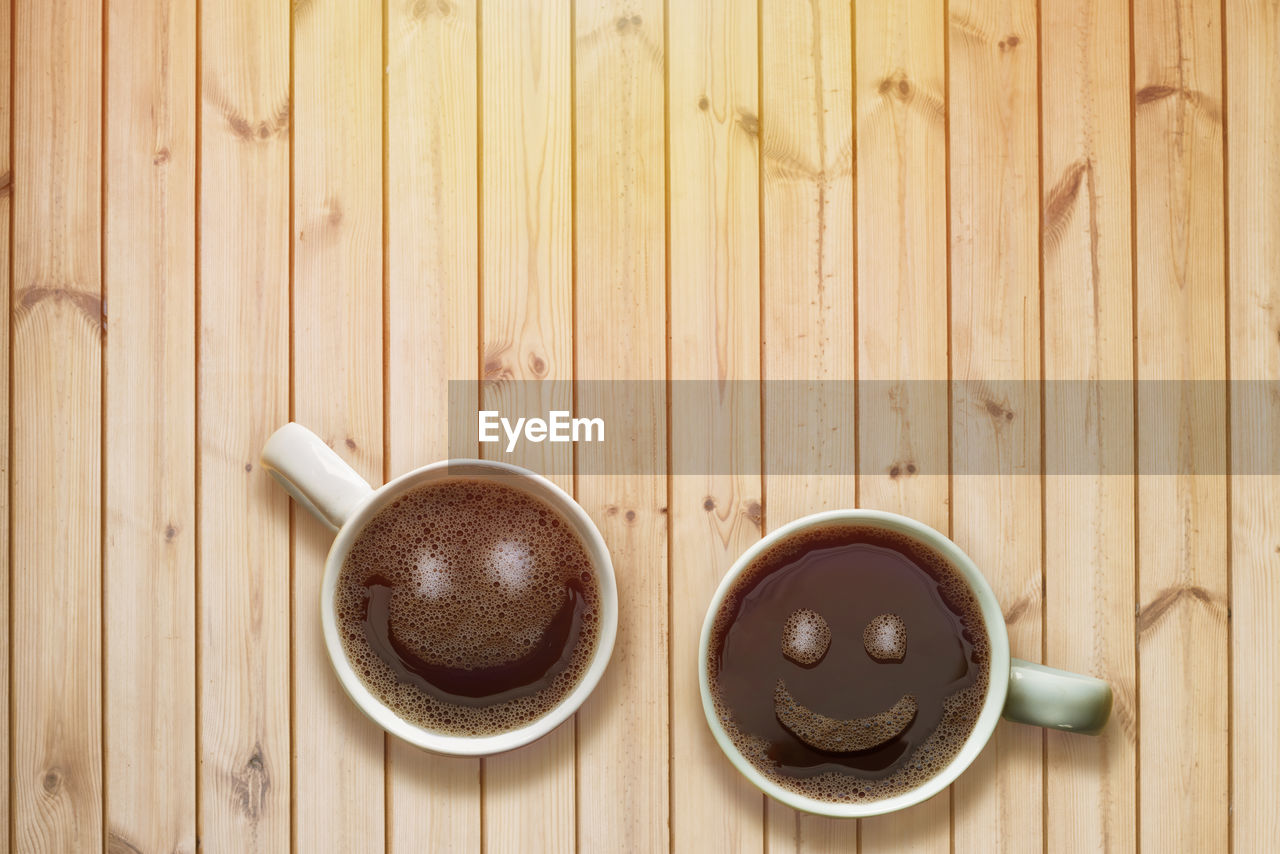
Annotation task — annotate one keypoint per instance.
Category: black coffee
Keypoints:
(469, 607)
(849, 663)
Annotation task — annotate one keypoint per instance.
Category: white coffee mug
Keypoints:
(331, 490)
(1019, 690)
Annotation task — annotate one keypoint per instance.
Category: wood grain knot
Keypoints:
(248, 466)
(249, 786)
(749, 123)
(704, 103)
(538, 366)
(1198, 101)
(89, 305)
(423, 9)
(333, 210)
(170, 531)
(251, 128)
(630, 516)
(493, 369)
(997, 410)
(497, 365)
(896, 85)
(754, 512)
(709, 504)
(1061, 201)
(1019, 609)
(1008, 43)
(6, 183)
(321, 224)
(897, 88)
(52, 781)
(1154, 611)
(965, 29)
(901, 469)
(1150, 94)
(117, 844)
(161, 156)
(625, 22)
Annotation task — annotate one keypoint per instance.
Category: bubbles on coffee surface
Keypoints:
(864, 720)
(841, 736)
(468, 607)
(805, 637)
(885, 637)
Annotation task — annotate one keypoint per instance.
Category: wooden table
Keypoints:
(228, 214)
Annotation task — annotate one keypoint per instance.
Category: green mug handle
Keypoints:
(1058, 699)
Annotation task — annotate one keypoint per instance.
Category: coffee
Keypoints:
(849, 663)
(469, 607)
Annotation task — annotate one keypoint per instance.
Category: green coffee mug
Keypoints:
(1017, 690)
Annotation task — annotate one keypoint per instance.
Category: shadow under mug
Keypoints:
(1019, 690)
(331, 490)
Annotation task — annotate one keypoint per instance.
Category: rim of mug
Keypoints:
(997, 677)
(464, 745)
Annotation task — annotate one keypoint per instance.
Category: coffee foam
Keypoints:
(805, 637)
(478, 570)
(836, 736)
(885, 638)
(960, 710)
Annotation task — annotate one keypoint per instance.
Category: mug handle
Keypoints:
(1058, 699)
(314, 475)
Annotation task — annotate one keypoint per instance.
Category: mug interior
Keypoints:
(530, 483)
(997, 681)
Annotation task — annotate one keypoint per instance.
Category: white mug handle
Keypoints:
(314, 475)
(1060, 699)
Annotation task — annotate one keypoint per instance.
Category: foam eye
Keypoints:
(885, 638)
(805, 637)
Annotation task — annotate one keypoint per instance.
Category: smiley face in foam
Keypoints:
(468, 607)
(805, 639)
(849, 663)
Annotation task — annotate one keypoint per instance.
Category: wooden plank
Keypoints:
(620, 335)
(713, 175)
(337, 389)
(6, 204)
(149, 559)
(527, 340)
(995, 340)
(807, 229)
(902, 303)
(1182, 521)
(1088, 354)
(56, 364)
(433, 802)
(243, 557)
(1253, 230)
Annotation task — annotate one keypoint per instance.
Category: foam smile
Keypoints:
(842, 736)
(460, 685)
